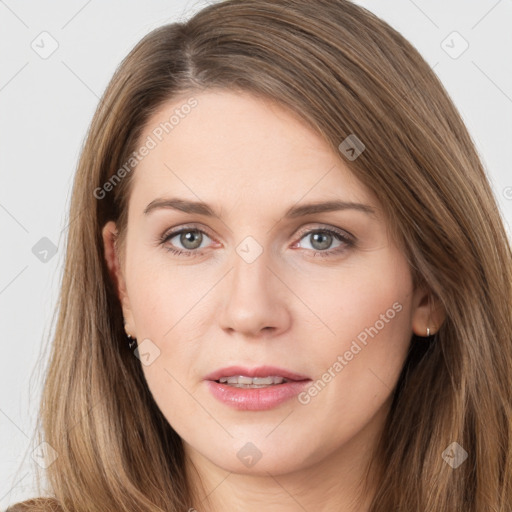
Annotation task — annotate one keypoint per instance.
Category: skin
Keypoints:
(251, 160)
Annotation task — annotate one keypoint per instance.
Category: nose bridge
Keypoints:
(250, 273)
(252, 301)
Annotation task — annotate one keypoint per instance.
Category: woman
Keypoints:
(287, 284)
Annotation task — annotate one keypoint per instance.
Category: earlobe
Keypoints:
(428, 314)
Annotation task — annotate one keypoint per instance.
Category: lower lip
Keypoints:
(256, 399)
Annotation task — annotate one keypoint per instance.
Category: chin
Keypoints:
(260, 456)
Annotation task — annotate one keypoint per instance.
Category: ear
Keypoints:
(109, 234)
(427, 313)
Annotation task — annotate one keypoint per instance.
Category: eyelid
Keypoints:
(327, 227)
(176, 230)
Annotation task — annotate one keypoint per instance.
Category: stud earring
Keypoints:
(428, 332)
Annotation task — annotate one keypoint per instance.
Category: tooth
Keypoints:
(263, 380)
(243, 381)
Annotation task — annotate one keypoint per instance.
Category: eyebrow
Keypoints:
(293, 212)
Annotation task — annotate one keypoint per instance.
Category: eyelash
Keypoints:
(347, 240)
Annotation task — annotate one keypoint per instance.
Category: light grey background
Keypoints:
(46, 106)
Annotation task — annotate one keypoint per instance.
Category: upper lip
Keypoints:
(259, 371)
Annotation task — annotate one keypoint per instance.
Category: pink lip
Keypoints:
(260, 371)
(256, 399)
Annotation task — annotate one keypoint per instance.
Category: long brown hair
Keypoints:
(344, 72)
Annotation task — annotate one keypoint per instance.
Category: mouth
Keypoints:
(259, 388)
(242, 381)
(261, 376)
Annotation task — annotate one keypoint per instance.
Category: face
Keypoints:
(261, 286)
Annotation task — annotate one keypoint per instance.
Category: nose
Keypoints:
(255, 300)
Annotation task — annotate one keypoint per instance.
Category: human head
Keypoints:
(343, 72)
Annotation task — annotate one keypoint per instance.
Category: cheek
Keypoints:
(163, 294)
(368, 310)
(168, 310)
(354, 297)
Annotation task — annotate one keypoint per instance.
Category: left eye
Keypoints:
(321, 240)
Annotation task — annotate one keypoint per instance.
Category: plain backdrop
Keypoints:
(56, 59)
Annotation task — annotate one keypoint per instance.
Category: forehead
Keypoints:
(241, 148)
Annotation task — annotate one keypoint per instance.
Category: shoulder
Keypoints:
(36, 505)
